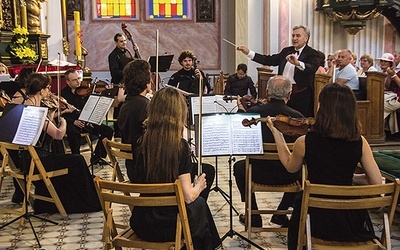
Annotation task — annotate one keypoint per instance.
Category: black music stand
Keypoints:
(221, 130)
(9, 126)
(164, 63)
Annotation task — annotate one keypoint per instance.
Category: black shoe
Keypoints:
(280, 219)
(256, 220)
(17, 198)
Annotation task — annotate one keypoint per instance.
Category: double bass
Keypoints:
(155, 77)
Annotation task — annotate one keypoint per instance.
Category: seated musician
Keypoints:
(270, 172)
(332, 151)
(134, 112)
(188, 77)
(74, 126)
(76, 189)
(240, 83)
(162, 156)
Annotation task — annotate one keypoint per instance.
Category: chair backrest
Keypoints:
(342, 197)
(114, 151)
(160, 194)
(35, 172)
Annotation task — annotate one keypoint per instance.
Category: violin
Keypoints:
(4, 99)
(247, 101)
(88, 88)
(286, 124)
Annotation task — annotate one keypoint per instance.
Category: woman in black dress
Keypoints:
(331, 151)
(162, 156)
(76, 189)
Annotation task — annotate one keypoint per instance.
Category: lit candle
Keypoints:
(24, 21)
(78, 49)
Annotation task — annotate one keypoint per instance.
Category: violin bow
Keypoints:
(58, 88)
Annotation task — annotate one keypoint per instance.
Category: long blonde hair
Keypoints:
(162, 142)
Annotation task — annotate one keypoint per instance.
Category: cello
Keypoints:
(155, 77)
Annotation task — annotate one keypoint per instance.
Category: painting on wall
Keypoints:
(205, 10)
(75, 5)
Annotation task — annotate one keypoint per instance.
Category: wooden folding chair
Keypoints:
(35, 172)
(342, 197)
(270, 153)
(114, 151)
(156, 195)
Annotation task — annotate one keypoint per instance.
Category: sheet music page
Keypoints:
(216, 135)
(212, 105)
(224, 134)
(95, 109)
(101, 109)
(30, 125)
(246, 140)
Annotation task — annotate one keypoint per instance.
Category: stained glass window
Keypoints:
(168, 9)
(118, 9)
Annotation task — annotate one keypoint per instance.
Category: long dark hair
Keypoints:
(337, 114)
(162, 142)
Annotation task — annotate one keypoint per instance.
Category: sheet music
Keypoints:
(224, 134)
(212, 105)
(95, 109)
(30, 125)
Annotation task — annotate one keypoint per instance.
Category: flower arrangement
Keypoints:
(21, 48)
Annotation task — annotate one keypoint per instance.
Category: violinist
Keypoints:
(76, 189)
(188, 77)
(279, 89)
(240, 83)
(74, 126)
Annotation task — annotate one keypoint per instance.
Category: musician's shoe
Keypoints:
(280, 219)
(256, 220)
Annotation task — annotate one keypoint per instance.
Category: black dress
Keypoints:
(76, 189)
(159, 224)
(331, 161)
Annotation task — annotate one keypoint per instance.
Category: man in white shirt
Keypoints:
(346, 73)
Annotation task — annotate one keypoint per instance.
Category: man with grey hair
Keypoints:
(279, 89)
(298, 63)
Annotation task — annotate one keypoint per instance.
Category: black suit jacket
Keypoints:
(308, 56)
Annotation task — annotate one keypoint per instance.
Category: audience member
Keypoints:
(346, 73)
(240, 83)
(3, 69)
(298, 63)
(270, 172)
(162, 155)
(333, 151)
(366, 64)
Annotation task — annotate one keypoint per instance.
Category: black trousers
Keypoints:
(74, 138)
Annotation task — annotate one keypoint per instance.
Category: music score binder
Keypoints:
(95, 109)
(224, 134)
(211, 104)
(22, 124)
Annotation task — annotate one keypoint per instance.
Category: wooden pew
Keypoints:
(263, 76)
(370, 110)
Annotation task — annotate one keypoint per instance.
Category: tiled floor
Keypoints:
(83, 231)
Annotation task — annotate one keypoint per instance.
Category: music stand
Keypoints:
(94, 112)
(164, 63)
(220, 135)
(13, 124)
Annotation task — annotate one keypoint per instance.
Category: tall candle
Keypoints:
(78, 48)
(24, 21)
